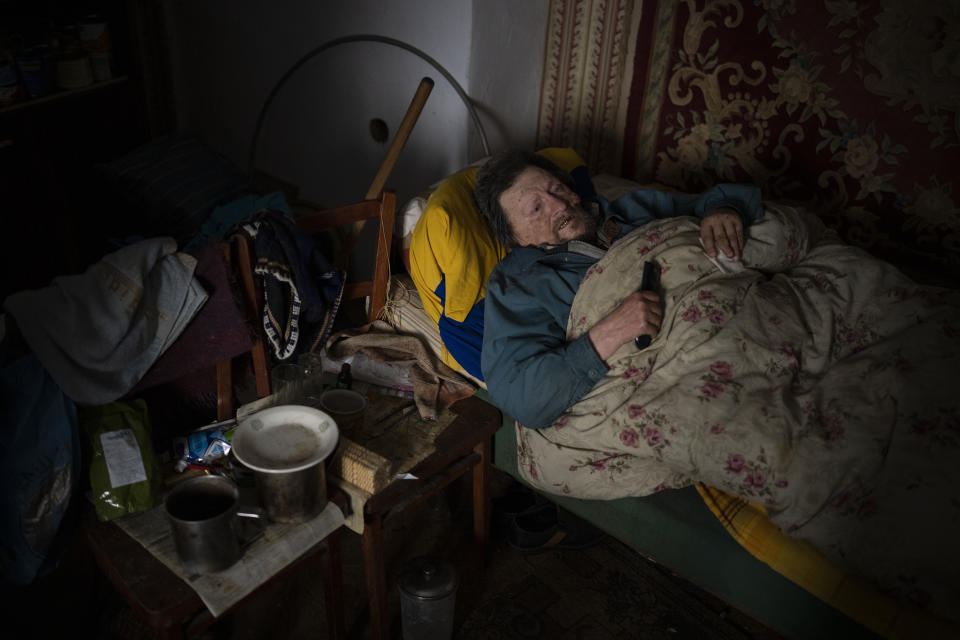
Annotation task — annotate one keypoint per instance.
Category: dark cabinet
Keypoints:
(56, 216)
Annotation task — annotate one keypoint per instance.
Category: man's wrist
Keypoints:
(605, 342)
(724, 208)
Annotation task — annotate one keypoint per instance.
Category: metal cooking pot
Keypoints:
(285, 447)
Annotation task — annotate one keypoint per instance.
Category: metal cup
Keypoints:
(203, 514)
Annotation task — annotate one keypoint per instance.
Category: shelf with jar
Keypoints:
(43, 64)
(71, 96)
(63, 93)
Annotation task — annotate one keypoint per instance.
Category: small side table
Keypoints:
(165, 602)
(463, 446)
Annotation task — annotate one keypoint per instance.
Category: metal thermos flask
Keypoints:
(428, 590)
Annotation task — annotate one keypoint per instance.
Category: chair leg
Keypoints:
(261, 372)
(333, 587)
(224, 390)
(375, 570)
(481, 501)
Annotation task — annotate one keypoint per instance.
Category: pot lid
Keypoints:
(285, 438)
(428, 578)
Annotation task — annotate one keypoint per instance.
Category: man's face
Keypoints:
(541, 210)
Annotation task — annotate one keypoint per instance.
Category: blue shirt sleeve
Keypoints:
(639, 207)
(531, 371)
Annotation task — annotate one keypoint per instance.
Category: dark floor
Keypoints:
(605, 591)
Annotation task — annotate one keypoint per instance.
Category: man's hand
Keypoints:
(640, 313)
(722, 229)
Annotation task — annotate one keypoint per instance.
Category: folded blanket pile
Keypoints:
(98, 332)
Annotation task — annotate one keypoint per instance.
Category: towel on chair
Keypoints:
(435, 385)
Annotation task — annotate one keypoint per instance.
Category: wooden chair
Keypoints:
(463, 447)
(311, 219)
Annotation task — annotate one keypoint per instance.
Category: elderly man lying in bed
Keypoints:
(786, 367)
(530, 368)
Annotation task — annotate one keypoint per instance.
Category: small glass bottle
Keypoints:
(345, 378)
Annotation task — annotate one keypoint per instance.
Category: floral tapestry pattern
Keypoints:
(849, 108)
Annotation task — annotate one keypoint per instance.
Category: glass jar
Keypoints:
(428, 590)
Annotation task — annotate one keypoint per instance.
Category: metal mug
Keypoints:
(204, 516)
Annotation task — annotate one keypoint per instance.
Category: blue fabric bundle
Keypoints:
(40, 466)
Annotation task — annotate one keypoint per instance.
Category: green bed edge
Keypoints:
(675, 528)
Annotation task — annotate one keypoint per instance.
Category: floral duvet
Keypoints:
(813, 379)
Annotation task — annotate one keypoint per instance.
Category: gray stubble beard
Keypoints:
(591, 219)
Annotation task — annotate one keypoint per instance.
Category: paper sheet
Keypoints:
(280, 545)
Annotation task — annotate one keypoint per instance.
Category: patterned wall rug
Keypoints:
(852, 108)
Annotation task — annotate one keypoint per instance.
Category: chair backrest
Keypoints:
(311, 219)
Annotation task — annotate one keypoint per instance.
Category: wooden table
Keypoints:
(463, 446)
(168, 604)
(172, 607)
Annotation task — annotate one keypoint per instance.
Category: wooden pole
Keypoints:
(406, 126)
(386, 167)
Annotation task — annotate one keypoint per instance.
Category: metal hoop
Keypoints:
(362, 38)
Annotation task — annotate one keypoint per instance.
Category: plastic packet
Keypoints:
(124, 474)
(205, 446)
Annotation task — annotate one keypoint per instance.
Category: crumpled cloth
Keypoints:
(98, 332)
(301, 289)
(435, 385)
